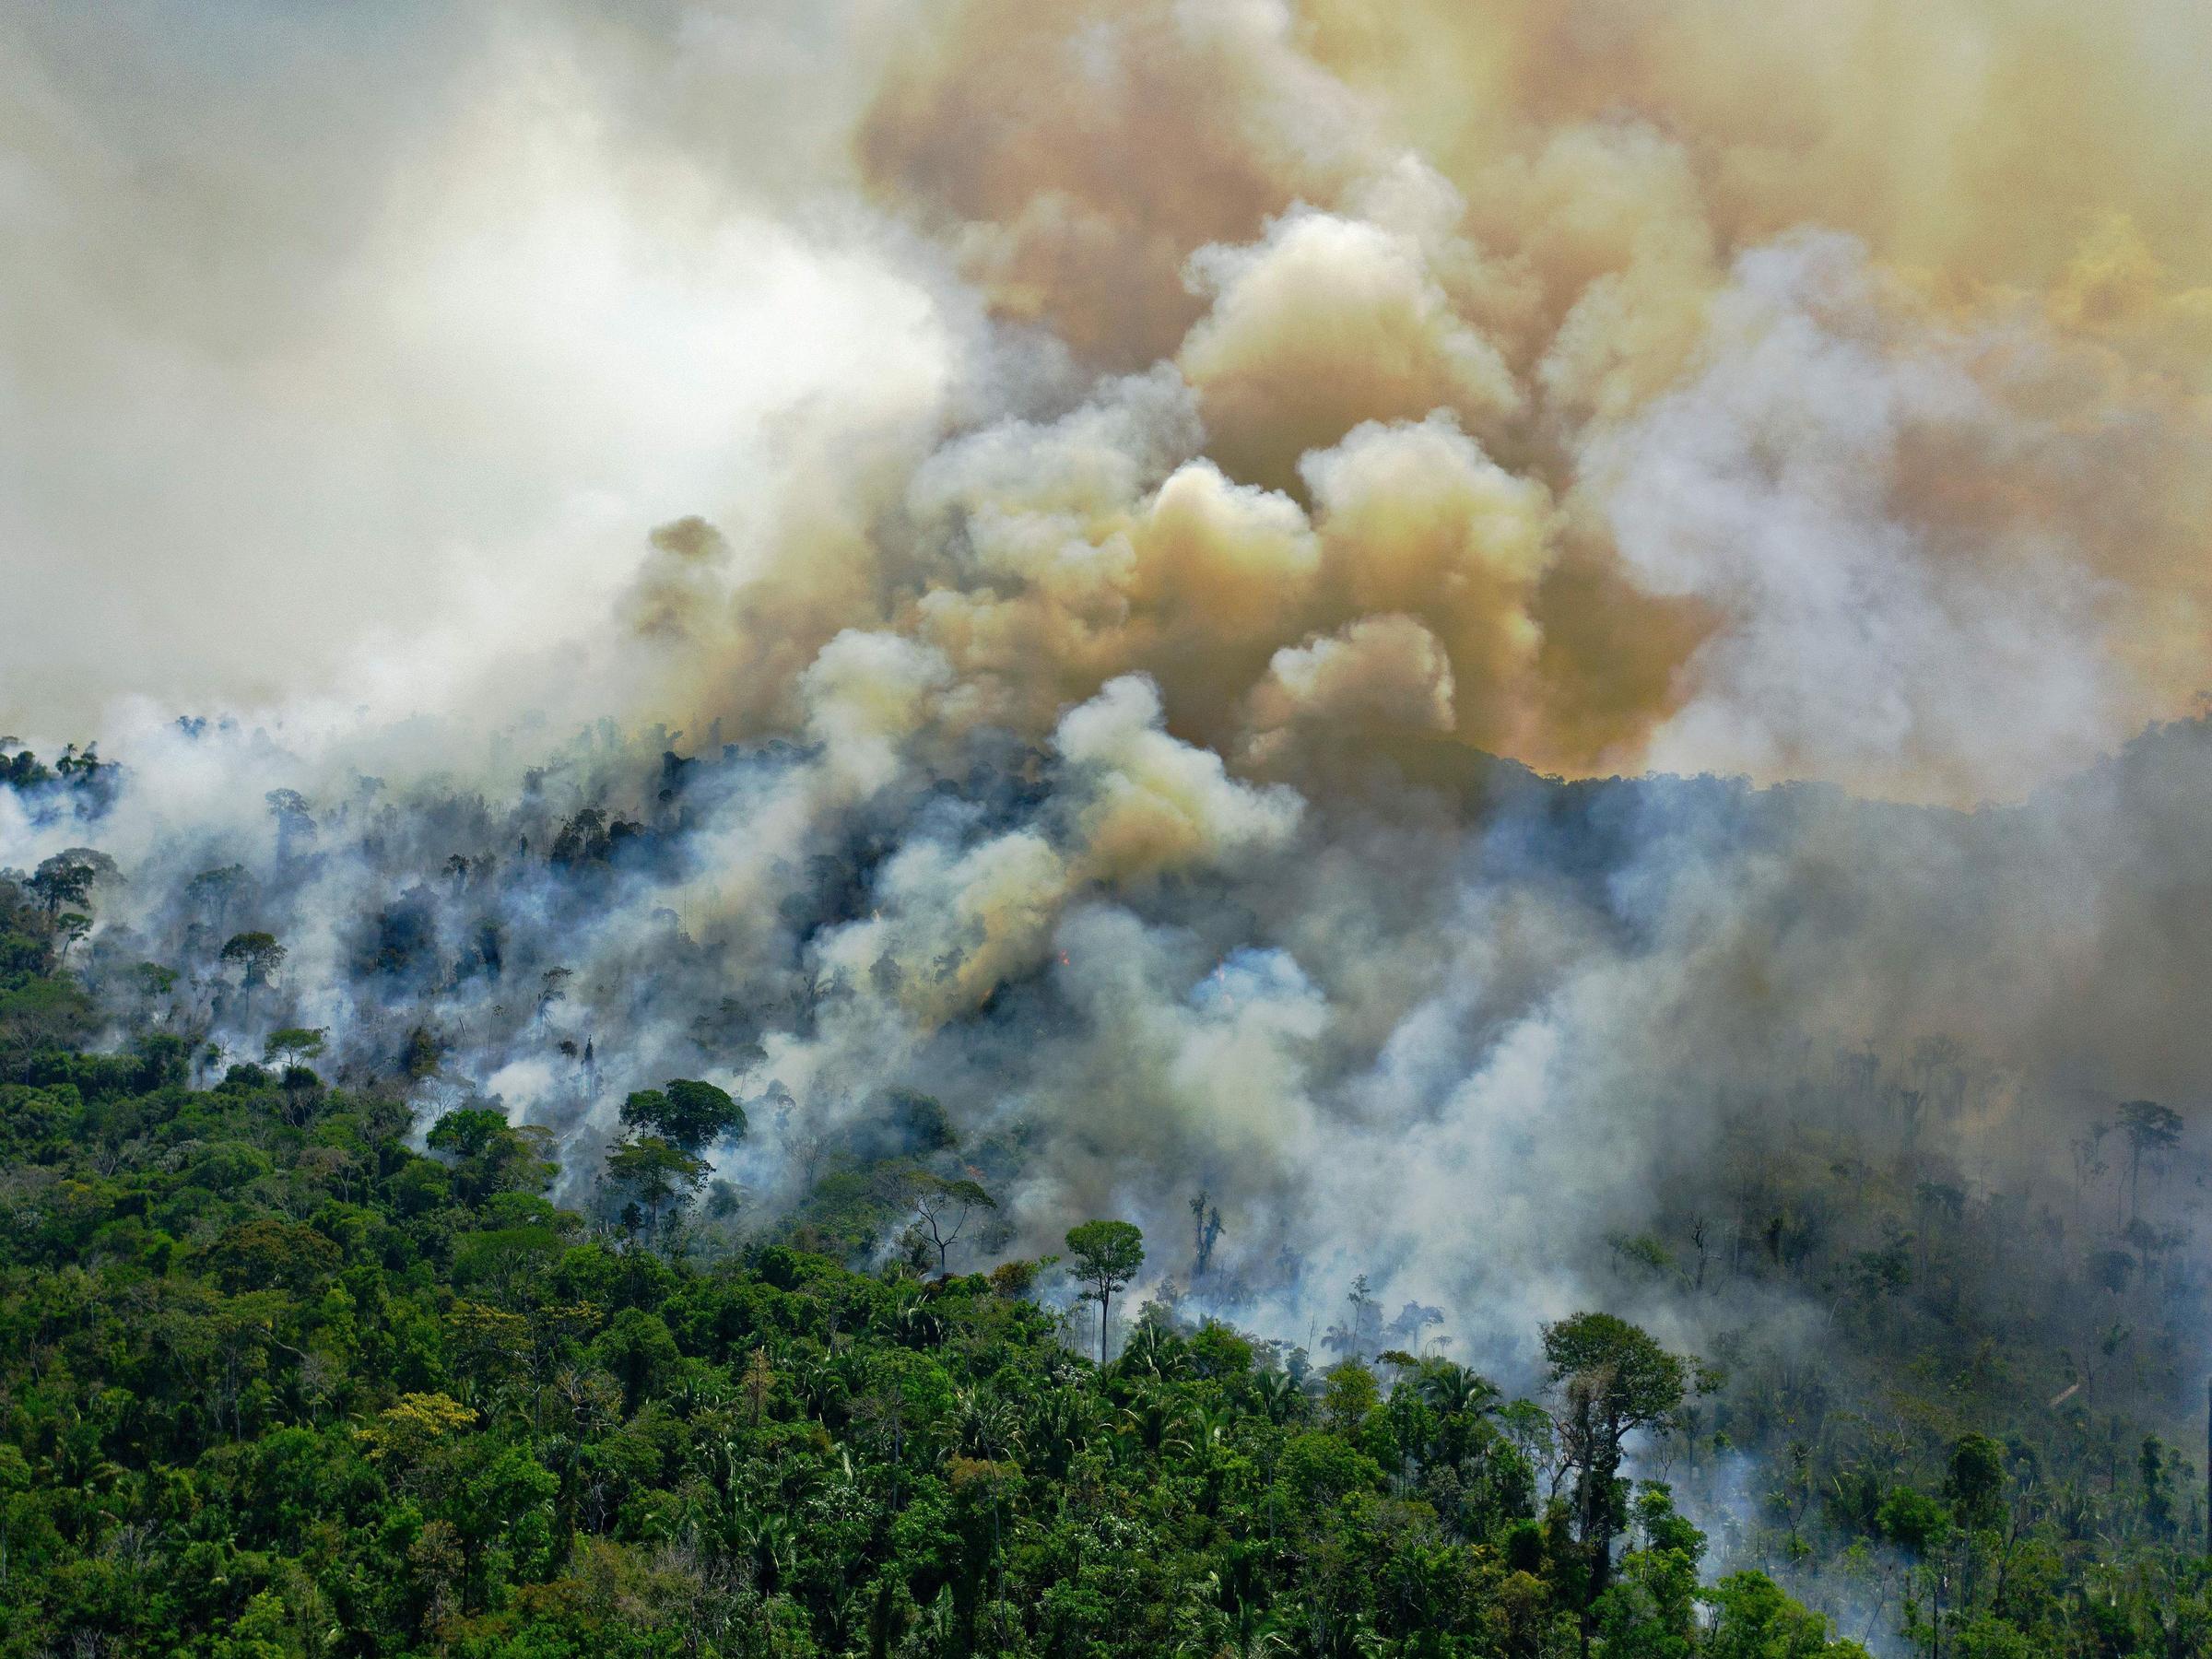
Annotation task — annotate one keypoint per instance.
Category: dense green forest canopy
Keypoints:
(284, 1372)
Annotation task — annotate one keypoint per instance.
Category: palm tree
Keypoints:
(1454, 1391)
(919, 1325)
(1210, 1427)
(700, 1393)
(1152, 1350)
(820, 1382)
(720, 1460)
(1155, 1424)
(1249, 1632)
(1279, 1396)
(1255, 1637)
(1063, 1424)
(767, 1541)
(987, 1425)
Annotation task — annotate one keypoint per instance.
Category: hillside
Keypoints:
(279, 1380)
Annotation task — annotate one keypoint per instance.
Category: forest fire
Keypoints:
(1214, 825)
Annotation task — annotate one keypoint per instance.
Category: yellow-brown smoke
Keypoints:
(1804, 389)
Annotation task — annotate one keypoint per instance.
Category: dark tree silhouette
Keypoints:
(2150, 1128)
(257, 954)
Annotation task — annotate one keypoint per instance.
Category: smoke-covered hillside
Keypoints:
(1431, 1019)
(1474, 662)
(1407, 1063)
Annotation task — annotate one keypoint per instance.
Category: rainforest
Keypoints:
(1178, 827)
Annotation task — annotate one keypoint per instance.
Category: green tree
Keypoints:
(1914, 1522)
(1650, 1610)
(2158, 1487)
(1347, 1395)
(21, 769)
(1974, 1483)
(490, 1155)
(1753, 1619)
(294, 1045)
(66, 878)
(1613, 1379)
(1106, 1256)
(686, 1113)
(256, 954)
(265, 1252)
(655, 1174)
(422, 1055)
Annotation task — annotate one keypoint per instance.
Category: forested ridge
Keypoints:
(282, 1373)
(1319, 829)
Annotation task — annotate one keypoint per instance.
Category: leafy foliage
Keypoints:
(273, 1384)
(686, 1113)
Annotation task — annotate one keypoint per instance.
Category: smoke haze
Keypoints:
(1422, 616)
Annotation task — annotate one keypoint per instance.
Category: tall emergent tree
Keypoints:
(66, 878)
(1613, 1379)
(1107, 1255)
(294, 1045)
(2150, 1128)
(257, 954)
(686, 1112)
